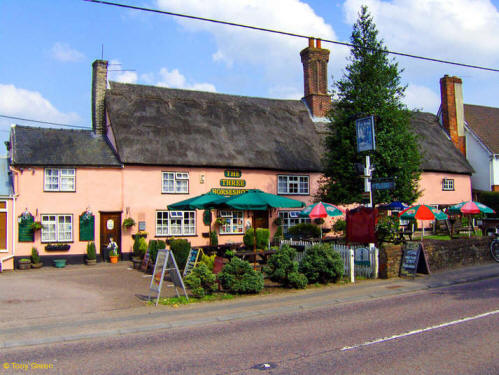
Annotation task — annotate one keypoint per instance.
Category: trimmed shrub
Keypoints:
(201, 281)
(305, 230)
(180, 248)
(153, 250)
(139, 247)
(239, 277)
(91, 253)
(208, 260)
(161, 245)
(35, 257)
(213, 238)
(321, 264)
(283, 269)
(262, 238)
(340, 225)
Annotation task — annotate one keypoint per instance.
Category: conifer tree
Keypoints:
(370, 86)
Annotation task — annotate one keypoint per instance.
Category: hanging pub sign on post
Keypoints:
(366, 140)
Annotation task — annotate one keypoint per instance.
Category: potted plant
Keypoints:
(36, 225)
(91, 254)
(128, 223)
(24, 264)
(113, 255)
(60, 263)
(35, 259)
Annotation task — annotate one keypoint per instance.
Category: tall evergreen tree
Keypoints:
(370, 86)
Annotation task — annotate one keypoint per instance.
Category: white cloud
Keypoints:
(32, 105)
(277, 54)
(63, 52)
(421, 97)
(175, 79)
(114, 74)
(462, 30)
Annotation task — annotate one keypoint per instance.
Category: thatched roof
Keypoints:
(439, 153)
(484, 121)
(60, 147)
(162, 126)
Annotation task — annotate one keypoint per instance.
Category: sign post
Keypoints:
(165, 261)
(366, 141)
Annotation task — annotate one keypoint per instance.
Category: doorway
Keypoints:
(110, 226)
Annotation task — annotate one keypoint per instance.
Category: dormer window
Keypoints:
(448, 184)
(175, 183)
(59, 179)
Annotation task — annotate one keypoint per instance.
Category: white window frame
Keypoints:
(57, 228)
(448, 184)
(290, 219)
(233, 222)
(59, 179)
(175, 223)
(179, 182)
(293, 185)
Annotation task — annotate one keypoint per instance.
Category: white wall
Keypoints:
(495, 169)
(478, 157)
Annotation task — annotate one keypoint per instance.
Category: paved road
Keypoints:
(453, 330)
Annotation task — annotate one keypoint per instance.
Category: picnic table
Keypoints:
(261, 256)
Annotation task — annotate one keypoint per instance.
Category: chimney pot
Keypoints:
(310, 42)
(318, 43)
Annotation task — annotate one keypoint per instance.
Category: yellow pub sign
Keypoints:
(232, 183)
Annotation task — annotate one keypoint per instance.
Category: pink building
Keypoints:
(153, 146)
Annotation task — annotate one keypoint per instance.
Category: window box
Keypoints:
(58, 247)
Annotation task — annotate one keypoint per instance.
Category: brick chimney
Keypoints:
(99, 85)
(314, 60)
(452, 110)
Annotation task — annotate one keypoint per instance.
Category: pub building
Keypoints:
(150, 147)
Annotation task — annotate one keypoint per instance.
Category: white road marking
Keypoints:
(415, 332)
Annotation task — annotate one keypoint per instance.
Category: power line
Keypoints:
(46, 122)
(286, 33)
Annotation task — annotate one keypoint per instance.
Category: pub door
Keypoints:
(110, 226)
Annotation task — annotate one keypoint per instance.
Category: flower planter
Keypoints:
(91, 262)
(59, 263)
(137, 262)
(24, 264)
(37, 265)
(57, 247)
(113, 258)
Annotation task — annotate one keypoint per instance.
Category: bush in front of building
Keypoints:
(322, 264)
(181, 249)
(239, 277)
(283, 269)
(304, 230)
(139, 247)
(201, 281)
(262, 238)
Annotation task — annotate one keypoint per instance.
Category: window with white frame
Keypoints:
(232, 222)
(175, 223)
(290, 219)
(175, 183)
(448, 184)
(59, 179)
(293, 185)
(57, 228)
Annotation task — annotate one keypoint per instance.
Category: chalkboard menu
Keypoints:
(25, 231)
(414, 259)
(87, 225)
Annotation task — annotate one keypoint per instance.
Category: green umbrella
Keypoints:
(204, 201)
(422, 212)
(257, 200)
(470, 207)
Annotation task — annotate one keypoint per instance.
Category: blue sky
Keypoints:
(48, 47)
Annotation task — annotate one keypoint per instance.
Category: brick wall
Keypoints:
(441, 255)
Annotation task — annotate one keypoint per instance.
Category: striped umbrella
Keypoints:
(470, 208)
(422, 212)
(321, 210)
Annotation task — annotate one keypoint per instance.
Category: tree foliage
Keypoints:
(371, 86)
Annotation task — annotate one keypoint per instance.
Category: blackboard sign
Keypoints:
(414, 259)
(25, 229)
(87, 226)
(145, 262)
